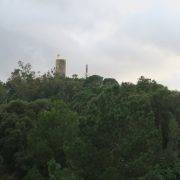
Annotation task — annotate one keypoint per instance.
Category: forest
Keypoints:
(94, 128)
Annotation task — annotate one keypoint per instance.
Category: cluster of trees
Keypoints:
(54, 128)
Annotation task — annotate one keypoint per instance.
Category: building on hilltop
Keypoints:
(60, 66)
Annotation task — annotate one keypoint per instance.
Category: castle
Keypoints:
(61, 67)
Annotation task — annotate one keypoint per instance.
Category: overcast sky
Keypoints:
(123, 39)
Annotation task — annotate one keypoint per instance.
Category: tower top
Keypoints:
(58, 56)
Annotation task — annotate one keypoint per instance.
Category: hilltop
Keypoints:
(93, 128)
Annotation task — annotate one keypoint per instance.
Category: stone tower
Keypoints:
(60, 66)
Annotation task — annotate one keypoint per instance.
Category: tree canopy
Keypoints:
(54, 128)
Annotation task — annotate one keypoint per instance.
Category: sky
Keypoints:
(121, 39)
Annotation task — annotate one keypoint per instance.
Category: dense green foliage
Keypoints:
(54, 128)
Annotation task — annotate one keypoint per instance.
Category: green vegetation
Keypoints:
(54, 128)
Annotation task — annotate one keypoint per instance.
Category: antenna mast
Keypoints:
(86, 70)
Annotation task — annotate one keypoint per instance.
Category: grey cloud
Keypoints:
(158, 27)
(121, 39)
